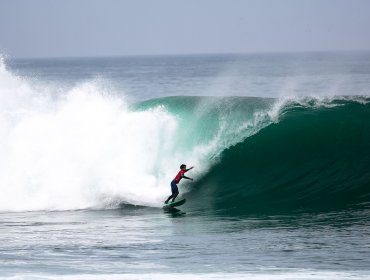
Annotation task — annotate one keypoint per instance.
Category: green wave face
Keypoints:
(312, 159)
(306, 155)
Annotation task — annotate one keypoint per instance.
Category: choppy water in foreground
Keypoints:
(149, 241)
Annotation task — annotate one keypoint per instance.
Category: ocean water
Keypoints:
(280, 145)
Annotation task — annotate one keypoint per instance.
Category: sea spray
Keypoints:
(84, 149)
(87, 148)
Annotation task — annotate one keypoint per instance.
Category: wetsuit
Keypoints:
(175, 181)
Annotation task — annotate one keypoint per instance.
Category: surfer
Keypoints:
(179, 176)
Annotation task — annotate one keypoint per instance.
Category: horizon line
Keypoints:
(11, 57)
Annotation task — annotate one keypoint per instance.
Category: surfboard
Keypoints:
(174, 204)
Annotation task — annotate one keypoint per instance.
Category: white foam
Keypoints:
(83, 149)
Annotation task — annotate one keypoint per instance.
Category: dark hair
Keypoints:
(182, 165)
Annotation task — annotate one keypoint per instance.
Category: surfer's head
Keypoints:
(183, 166)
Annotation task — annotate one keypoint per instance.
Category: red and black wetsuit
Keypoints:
(179, 176)
(175, 181)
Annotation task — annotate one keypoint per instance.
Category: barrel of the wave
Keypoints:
(315, 158)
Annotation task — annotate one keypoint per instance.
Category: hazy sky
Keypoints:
(50, 28)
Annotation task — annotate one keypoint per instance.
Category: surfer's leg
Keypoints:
(168, 199)
(175, 190)
(174, 196)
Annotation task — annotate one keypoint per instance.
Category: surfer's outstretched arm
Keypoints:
(189, 169)
(187, 178)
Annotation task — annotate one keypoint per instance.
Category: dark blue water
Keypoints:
(262, 75)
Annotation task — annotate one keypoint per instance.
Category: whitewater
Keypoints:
(87, 148)
(280, 145)
(82, 149)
